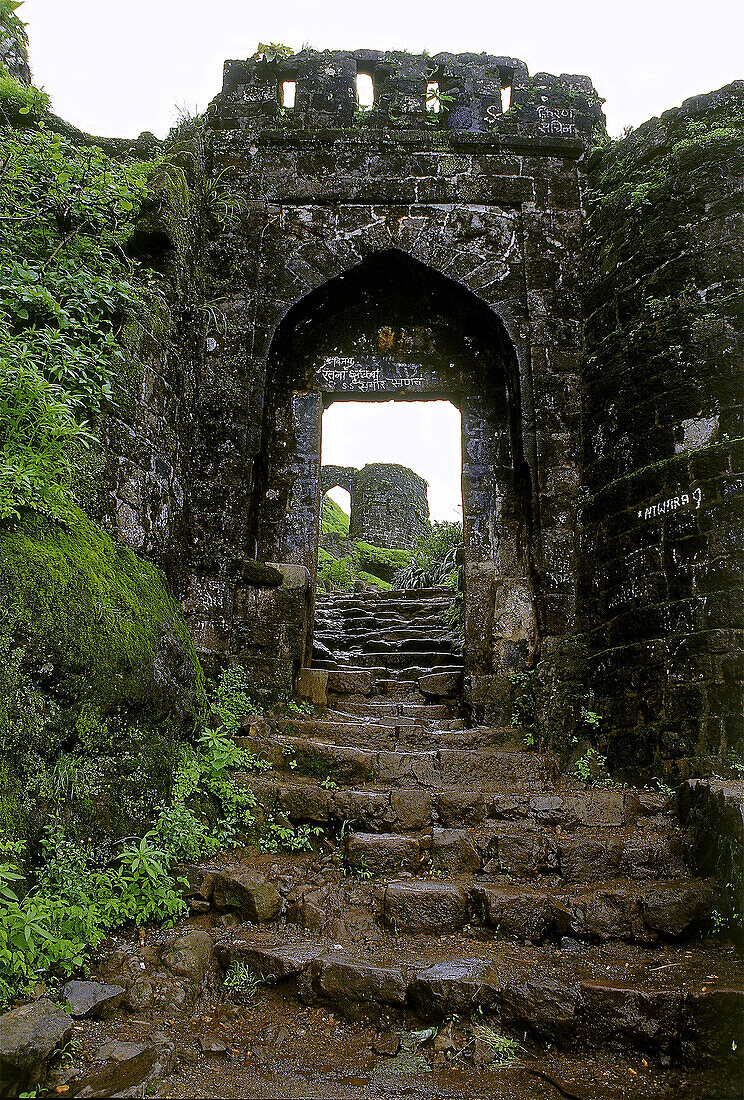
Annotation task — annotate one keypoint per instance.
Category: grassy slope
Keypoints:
(362, 561)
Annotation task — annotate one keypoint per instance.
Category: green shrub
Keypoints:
(66, 287)
(434, 560)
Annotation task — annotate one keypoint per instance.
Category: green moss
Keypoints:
(96, 604)
(99, 680)
(378, 560)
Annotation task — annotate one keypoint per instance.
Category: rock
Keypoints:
(516, 910)
(92, 998)
(454, 987)
(29, 1037)
(312, 684)
(210, 1044)
(251, 894)
(350, 683)
(272, 963)
(126, 1066)
(188, 956)
(387, 1044)
(139, 997)
(200, 880)
(343, 978)
(454, 850)
(424, 907)
(304, 803)
(675, 908)
(382, 853)
(444, 1040)
(444, 685)
(483, 1053)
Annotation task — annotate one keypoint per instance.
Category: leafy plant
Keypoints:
(232, 701)
(591, 768)
(25, 98)
(241, 980)
(66, 287)
(501, 1046)
(434, 560)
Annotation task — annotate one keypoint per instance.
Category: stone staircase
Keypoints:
(462, 875)
(386, 631)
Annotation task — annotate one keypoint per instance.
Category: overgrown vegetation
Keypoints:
(66, 290)
(643, 167)
(56, 907)
(434, 559)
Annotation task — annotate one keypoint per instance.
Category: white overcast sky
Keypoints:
(118, 67)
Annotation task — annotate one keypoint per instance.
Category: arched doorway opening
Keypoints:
(393, 328)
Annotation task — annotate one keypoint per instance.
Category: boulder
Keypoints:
(92, 998)
(188, 956)
(199, 880)
(140, 996)
(125, 1066)
(29, 1038)
(252, 895)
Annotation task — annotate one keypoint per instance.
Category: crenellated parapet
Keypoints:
(457, 93)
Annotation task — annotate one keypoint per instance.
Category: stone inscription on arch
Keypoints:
(346, 375)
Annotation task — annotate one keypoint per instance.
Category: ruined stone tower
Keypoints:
(389, 506)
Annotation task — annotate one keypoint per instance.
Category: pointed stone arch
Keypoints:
(392, 327)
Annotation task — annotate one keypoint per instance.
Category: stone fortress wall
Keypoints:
(389, 505)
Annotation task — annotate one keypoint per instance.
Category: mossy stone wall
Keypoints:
(662, 560)
(99, 680)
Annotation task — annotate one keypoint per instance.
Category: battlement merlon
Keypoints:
(476, 93)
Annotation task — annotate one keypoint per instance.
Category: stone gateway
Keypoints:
(481, 816)
(577, 305)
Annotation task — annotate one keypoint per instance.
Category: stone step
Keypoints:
(403, 609)
(394, 733)
(414, 664)
(584, 857)
(590, 855)
(379, 683)
(363, 621)
(345, 640)
(375, 808)
(431, 768)
(425, 712)
(393, 596)
(625, 998)
(635, 912)
(620, 911)
(397, 721)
